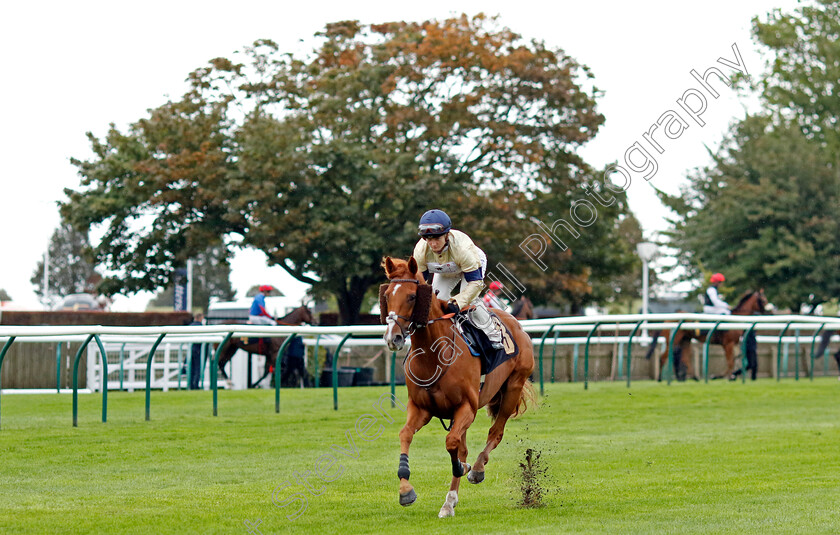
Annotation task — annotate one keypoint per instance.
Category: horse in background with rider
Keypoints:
(750, 303)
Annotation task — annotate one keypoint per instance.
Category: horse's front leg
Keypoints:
(456, 445)
(415, 419)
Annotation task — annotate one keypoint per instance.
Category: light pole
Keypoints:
(646, 250)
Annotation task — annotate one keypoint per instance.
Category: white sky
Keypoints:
(73, 67)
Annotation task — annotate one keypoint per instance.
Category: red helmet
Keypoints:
(265, 288)
(496, 285)
(717, 277)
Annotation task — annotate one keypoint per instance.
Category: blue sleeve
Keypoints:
(259, 301)
(474, 275)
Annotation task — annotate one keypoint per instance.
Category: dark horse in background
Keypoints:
(292, 367)
(523, 309)
(826, 339)
(443, 379)
(750, 303)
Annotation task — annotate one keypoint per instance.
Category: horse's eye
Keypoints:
(412, 297)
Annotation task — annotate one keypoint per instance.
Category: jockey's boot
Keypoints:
(480, 317)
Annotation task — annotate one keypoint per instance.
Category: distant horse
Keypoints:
(263, 346)
(523, 309)
(826, 339)
(750, 303)
(443, 378)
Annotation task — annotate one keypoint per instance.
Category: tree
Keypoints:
(4, 296)
(326, 162)
(801, 83)
(211, 279)
(71, 271)
(765, 214)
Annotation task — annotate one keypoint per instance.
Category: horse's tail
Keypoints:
(652, 348)
(526, 396)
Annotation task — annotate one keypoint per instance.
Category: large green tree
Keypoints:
(325, 162)
(70, 268)
(766, 210)
(801, 81)
(766, 214)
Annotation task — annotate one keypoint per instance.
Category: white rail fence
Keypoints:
(127, 348)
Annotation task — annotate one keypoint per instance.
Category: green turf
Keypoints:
(690, 458)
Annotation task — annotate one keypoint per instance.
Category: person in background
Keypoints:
(491, 298)
(258, 315)
(715, 305)
(195, 357)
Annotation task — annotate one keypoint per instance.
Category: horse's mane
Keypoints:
(743, 299)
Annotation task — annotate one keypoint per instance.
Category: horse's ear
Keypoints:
(412, 266)
(383, 305)
(420, 315)
(388, 264)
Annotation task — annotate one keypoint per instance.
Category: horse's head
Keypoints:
(404, 302)
(523, 309)
(753, 302)
(298, 316)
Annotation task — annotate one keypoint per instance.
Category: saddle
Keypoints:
(480, 345)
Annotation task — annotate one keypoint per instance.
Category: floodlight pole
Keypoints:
(646, 250)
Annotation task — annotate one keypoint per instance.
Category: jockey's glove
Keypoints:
(452, 307)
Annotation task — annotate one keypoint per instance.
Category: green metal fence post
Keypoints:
(706, 345)
(214, 373)
(278, 365)
(58, 368)
(122, 366)
(630, 349)
(586, 356)
(814, 339)
(796, 355)
(744, 354)
(335, 369)
(3, 351)
(149, 375)
(76, 380)
(669, 366)
(779, 353)
(315, 358)
(104, 378)
(542, 347)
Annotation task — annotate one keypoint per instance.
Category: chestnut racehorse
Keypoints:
(750, 303)
(263, 346)
(443, 378)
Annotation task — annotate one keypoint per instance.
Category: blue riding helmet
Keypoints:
(434, 223)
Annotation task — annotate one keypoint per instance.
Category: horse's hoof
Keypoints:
(449, 504)
(475, 477)
(408, 498)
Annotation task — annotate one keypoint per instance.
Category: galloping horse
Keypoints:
(443, 378)
(268, 347)
(523, 309)
(750, 303)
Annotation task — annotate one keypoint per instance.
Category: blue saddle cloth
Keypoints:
(481, 347)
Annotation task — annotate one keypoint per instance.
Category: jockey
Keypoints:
(491, 299)
(447, 257)
(258, 315)
(712, 303)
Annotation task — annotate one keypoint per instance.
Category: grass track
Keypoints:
(690, 458)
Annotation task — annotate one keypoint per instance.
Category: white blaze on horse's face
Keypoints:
(393, 333)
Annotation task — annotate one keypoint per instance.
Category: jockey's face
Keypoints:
(436, 243)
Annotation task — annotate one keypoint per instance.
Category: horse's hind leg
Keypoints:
(456, 445)
(415, 419)
(511, 394)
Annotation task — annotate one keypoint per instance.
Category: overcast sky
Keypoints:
(74, 67)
